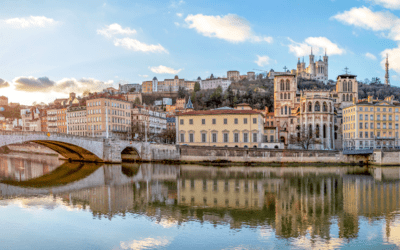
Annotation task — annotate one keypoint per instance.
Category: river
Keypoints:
(46, 203)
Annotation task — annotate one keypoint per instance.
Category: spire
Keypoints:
(325, 51)
(387, 80)
(311, 50)
(303, 58)
(298, 61)
(189, 104)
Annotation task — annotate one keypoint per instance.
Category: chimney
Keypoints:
(370, 99)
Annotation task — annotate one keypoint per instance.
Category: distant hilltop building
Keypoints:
(234, 75)
(3, 101)
(315, 71)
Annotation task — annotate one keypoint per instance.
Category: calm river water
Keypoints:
(49, 204)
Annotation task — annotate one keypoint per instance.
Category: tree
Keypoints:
(137, 100)
(132, 90)
(167, 136)
(304, 139)
(182, 92)
(196, 87)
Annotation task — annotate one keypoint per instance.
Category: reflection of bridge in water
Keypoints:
(292, 201)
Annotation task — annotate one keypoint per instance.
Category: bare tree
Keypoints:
(304, 139)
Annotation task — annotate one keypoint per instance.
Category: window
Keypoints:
(360, 108)
(366, 117)
(397, 126)
(384, 125)
(361, 125)
(397, 117)
(203, 137)
(226, 137)
(214, 137)
(181, 121)
(203, 121)
(236, 137)
(378, 109)
(378, 125)
(214, 121)
(390, 125)
(245, 137)
(371, 126)
(191, 137)
(361, 117)
(366, 134)
(378, 117)
(271, 138)
(254, 137)
(225, 121)
(384, 109)
(244, 120)
(390, 117)
(191, 121)
(361, 135)
(372, 134)
(390, 109)
(366, 125)
(182, 137)
(236, 121)
(384, 117)
(254, 120)
(371, 117)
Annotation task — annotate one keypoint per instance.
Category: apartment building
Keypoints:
(155, 121)
(108, 117)
(220, 127)
(52, 120)
(213, 83)
(43, 120)
(371, 124)
(77, 121)
(62, 120)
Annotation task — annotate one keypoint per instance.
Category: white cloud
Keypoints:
(145, 243)
(115, 29)
(231, 28)
(66, 85)
(365, 18)
(394, 58)
(164, 70)
(28, 22)
(144, 76)
(179, 14)
(262, 60)
(370, 56)
(135, 45)
(318, 45)
(177, 24)
(176, 4)
(389, 4)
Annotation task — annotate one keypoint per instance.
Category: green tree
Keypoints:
(137, 100)
(196, 87)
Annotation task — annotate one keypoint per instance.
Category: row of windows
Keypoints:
(285, 96)
(215, 184)
(378, 125)
(379, 134)
(225, 137)
(246, 203)
(214, 121)
(371, 109)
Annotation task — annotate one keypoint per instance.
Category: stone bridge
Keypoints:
(83, 148)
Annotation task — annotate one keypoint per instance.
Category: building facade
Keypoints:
(3, 101)
(221, 128)
(77, 121)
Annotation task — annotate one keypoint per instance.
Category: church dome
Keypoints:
(155, 78)
(176, 77)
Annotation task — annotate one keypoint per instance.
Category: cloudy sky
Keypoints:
(50, 48)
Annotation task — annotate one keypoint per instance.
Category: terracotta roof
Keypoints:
(220, 112)
(243, 104)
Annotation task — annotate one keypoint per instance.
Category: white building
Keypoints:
(213, 83)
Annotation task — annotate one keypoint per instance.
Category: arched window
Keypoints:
(310, 131)
(285, 96)
(325, 107)
(350, 88)
(330, 107)
(281, 110)
(317, 107)
(317, 131)
(344, 86)
(282, 85)
(324, 131)
(281, 96)
(351, 97)
(285, 110)
(309, 107)
(343, 98)
(288, 95)
(287, 85)
(304, 107)
(290, 110)
(347, 98)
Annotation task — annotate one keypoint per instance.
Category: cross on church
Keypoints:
(346, 69)
(285, 68)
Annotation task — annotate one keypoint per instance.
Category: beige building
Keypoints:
(76, 121)
(371, 124)
(220, 127)
(233, 75)
(108, 117)
(52, 120)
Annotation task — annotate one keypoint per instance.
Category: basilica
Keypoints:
(317, 112)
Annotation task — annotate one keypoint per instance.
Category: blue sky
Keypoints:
(50, 48)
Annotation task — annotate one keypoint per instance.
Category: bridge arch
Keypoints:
(130, 153)
(69, 146)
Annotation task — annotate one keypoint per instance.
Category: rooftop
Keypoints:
(221, 112)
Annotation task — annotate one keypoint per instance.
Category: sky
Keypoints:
(51, 48)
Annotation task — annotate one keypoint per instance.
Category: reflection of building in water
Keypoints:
(26, 166)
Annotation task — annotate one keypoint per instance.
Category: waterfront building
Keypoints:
(220, 127)
(77, 121)
(43, 120)
(62, 120)
(52, 120)
(115, 123)
(371, 124)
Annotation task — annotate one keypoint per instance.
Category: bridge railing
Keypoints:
(18, 133)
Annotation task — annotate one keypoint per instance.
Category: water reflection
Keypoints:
(311, 207)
